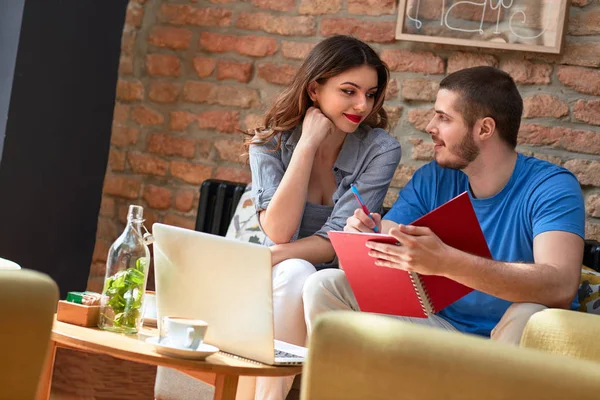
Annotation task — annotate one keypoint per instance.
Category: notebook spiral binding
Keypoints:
(422, 294)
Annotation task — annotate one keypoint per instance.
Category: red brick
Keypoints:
(121, 186)
(585, 23)
(586, 171)
(106, 228)
(204, 66)
(204, 147)
(223, 121)
(409, 61)
(372, 7)
(279, 25)
(123, 136)
(95, 282)
(180, 120)
(164, 91)
(157, 197)
(420, 117)
(592, 205)
(233, 174)
(421, 151)
(167, 145)
(584, 54)
(278, 74)
(163, 64)
(587, 111)
(543, 156)
(188, 15)
(583, 80)
(419, 89)
(129, 90)
(544, 105)
(240, 71)
(526, 72)
(403, 175)
(191, 173)
(116, 160)
(296, 50)
(390, 197)
(107, 207)
(185, 200)
(101, 250)
(235, 96)
(134, 15)
(147, 165)
(277, 5)
(146, 116)
(182, 222)
(393, 113)
(368, 31)
(392, 89)
(592, 231)
(128, 42)
(230, 150)
(318, 7)
(198, 92)
(459, 61)
(253, 121)
(172, 38)
(254, 46)
(578, 141)
(120, 113)
(125, 65)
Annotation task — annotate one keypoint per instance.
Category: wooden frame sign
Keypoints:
(525, 25)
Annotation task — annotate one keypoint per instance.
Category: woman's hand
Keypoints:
(316, 127)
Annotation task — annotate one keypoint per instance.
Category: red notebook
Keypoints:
(396, 292)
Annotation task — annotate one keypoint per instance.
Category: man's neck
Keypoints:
(489, 173)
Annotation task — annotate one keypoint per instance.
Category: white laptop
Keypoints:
(225, 282)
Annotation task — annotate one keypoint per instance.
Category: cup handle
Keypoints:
(190, 337)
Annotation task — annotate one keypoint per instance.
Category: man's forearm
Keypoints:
(515, 282)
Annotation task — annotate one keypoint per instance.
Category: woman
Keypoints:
(323, 133)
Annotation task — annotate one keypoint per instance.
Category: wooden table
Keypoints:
(220, 370)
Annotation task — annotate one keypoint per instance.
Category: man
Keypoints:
(531, 213)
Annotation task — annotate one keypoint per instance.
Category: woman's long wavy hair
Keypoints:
(329, 58)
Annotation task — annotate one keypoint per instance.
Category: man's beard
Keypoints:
(466, 151)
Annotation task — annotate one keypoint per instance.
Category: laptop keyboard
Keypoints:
(284, 354)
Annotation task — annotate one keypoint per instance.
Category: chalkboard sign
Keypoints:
(527, 25)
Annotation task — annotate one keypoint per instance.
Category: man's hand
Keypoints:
(360, 222)
(420, 251)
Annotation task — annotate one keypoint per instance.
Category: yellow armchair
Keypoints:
(362, 356)
(27, 304)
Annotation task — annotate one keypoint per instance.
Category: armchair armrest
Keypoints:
(564, 332)
(360, 356)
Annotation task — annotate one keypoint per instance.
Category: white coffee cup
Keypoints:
(181, 332)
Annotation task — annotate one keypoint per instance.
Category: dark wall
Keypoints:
(58, 134)
(10, 26)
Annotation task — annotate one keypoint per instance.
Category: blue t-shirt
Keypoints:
(538, 197)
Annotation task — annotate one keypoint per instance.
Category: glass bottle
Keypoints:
(126, 276)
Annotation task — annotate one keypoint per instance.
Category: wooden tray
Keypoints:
(77, 314)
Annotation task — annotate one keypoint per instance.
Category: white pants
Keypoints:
(288, 312)
(329, 290)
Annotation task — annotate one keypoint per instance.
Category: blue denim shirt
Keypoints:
(368, 158)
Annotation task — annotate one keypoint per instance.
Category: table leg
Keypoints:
(225, 387)
(45, 384)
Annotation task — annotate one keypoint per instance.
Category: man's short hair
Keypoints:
(488, 92)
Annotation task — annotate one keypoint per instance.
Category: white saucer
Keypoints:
(203, 351)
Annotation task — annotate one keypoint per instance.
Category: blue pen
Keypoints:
(362, 204)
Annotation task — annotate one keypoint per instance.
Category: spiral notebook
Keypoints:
(396, 292)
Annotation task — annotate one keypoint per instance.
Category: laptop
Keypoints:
(225, 282)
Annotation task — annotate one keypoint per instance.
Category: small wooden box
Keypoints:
(77, 314)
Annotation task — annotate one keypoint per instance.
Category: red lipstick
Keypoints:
(353, 118)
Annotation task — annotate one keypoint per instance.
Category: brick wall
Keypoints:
(194, 72)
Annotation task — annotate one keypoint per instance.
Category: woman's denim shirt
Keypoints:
(368, 158)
